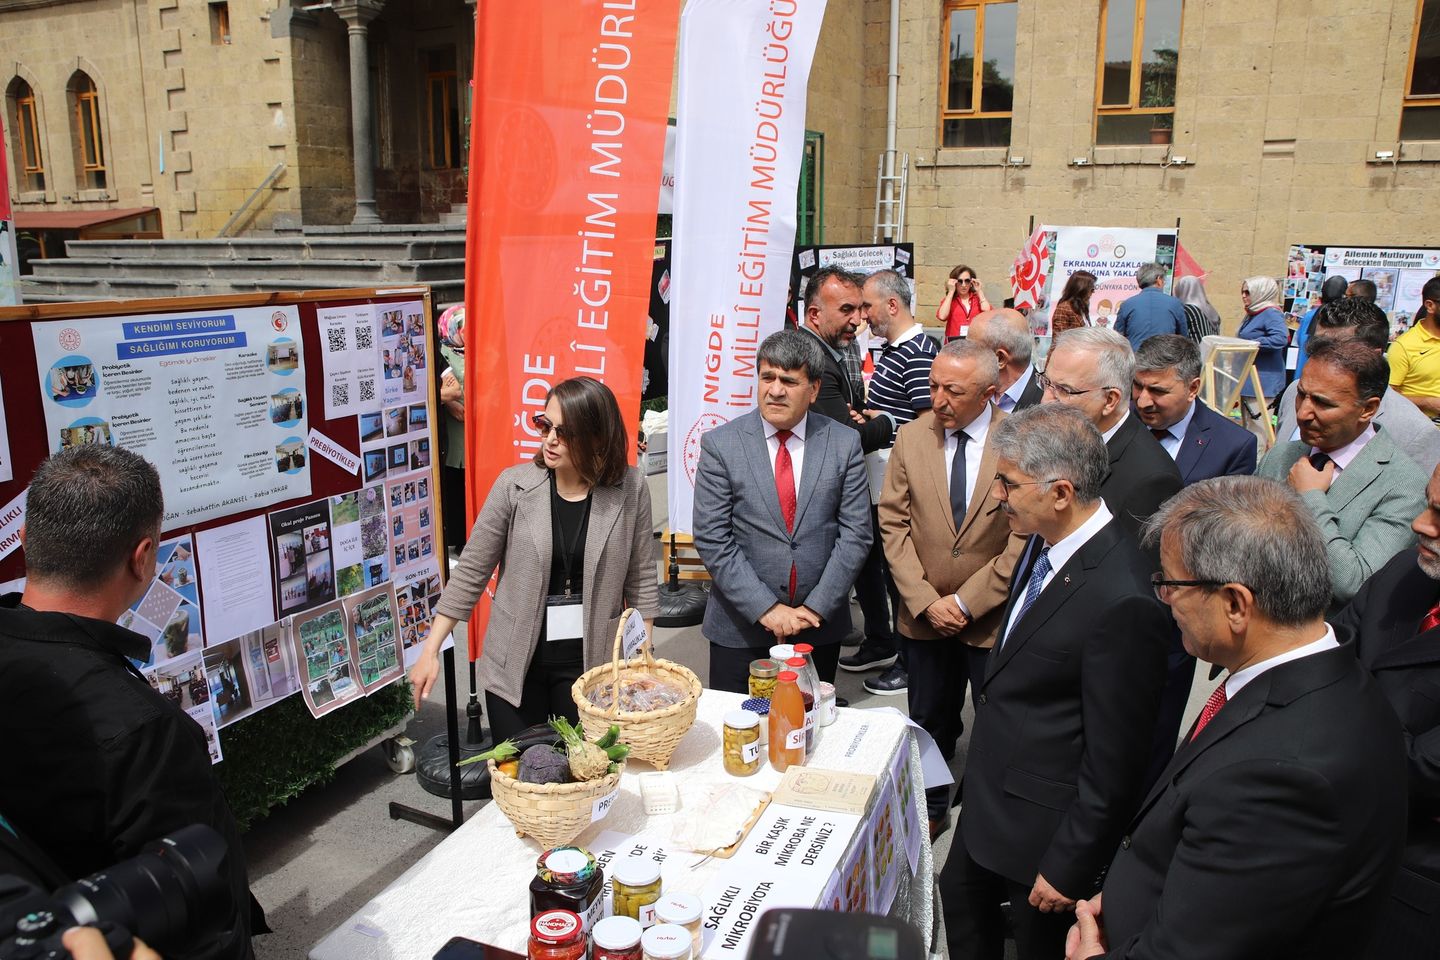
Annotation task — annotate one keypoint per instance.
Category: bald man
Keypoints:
(1007, 332)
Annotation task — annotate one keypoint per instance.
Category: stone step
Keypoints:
(330, 271)
(415, 229)
(440, 246)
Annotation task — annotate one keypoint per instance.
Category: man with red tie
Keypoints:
(1277, 827)
(1395, 623)
(781, 519)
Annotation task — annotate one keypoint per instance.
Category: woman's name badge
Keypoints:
(564, 618)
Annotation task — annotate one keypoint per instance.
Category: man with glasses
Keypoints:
(950, 551)
(1360, 487)
(1092, 369)
(1277, 827)
(1066, 703)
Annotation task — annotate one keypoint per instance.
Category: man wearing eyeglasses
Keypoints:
(1066, 702)
(1358, 484)
(1092, 369)
(1277, 827)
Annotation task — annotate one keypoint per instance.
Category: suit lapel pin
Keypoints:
(1067, 579)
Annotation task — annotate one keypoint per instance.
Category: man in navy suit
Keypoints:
(1165, 393)
(1152, 311)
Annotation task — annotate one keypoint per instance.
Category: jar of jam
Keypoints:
(762, 678)
(616, 938)
(556, 935)
(568, 878)
(665, 941)
(741, 752)
(636, 887)
(683, 910)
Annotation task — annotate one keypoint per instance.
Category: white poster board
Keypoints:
(1113, 255)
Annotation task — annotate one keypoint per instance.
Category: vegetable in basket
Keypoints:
(589, 761)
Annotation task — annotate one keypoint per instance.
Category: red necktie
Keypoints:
(1432, 619)
(1212, 707)
(785, 488)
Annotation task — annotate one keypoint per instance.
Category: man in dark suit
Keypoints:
(1278, 825)
(782, 519)
(1007, 332)
(1166, 392)
(1067, 700)
(832, 315)
(1093, 370)
(1395, 623)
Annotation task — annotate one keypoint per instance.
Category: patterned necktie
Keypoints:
(958, 500)
(785, 489)
(1212, 707)
(1032, 589)
(1432, 619)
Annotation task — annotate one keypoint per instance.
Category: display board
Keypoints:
(1399, 273)
(1112, 254)
(293, 434)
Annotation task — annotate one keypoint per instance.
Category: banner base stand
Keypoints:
(400, 811)
(681, 605)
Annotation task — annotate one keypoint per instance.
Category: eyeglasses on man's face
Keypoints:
(1007, 486)
(1061, 389)
(1165, 589)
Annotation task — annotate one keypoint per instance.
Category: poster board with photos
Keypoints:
(1399, 274)
(283, 426)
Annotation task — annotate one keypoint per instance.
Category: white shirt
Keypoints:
(1118, 424)
(1173, 442)
(1060, 554)
(796, 446)
(977, 430)
(1237, 681)
(914, 331)
(1011, 396)
(1350, 451)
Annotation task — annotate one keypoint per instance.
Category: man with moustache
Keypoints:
(782, 519)
(948, 545)
(1066, 703)
(1395, 623)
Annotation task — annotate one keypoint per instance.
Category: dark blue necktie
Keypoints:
(1032, 589)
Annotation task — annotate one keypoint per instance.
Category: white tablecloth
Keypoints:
(476, 882)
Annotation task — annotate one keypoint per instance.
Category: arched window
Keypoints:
(24, 121)
(89, 141)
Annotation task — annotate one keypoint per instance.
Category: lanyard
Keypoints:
(568, 545)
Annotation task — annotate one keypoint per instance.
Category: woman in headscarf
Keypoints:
(1265, 324)
(1201, 319)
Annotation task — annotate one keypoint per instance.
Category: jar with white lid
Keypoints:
(741, 743)
(666, 941)
(635, 883)
(682, 910)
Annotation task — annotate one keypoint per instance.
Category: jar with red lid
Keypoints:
(556, 935)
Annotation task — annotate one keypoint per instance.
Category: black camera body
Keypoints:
(170, 895)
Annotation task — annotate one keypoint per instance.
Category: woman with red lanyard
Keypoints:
(964, 299)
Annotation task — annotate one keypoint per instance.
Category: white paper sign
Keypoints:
(600, 809)
(7, 468)
(332, 451)
(634, 634)
(235, 565)
(348, 359)
(12, 518)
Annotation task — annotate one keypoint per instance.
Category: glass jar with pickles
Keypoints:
(636, 886)
(762, 677)
(741, 750)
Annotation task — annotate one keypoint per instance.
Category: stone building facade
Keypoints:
(1288, 114)
(188, 107)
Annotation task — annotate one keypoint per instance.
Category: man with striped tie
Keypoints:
(1067, 703)
(1277, 827)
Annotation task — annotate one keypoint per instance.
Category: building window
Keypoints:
(89, 140)
(810, 197)
(978, 92)
(1139, 61)
(24, 118)
(442, 109)
(1420, 115)
(219, 23)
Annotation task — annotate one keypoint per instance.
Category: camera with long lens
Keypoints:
(173, 894)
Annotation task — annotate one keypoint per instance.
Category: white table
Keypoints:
(476, 882)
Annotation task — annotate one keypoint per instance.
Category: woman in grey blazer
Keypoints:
(572, 536)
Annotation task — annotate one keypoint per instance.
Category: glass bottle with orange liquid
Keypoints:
(787, 723)
(810, 694)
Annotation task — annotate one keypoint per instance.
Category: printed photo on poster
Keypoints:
(416, 593)
(347, 547)
(249, 673)
(404, 360)
(182, 682)
(412, 539)
(374, 637)
(322, 649)
(168, 613)
(304, 564)
(215, 400)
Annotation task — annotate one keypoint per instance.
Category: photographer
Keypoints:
(106, 764)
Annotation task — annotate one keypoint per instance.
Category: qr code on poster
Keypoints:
(336, 341)
(367, 389)
(339, 394)
(364, 338)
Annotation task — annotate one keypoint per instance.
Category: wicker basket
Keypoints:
(552, 813)
(651, 735)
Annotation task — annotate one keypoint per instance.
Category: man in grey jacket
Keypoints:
(782, 519)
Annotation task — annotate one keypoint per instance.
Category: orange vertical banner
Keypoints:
(567, 141)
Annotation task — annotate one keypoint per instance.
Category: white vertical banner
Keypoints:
(740, 134)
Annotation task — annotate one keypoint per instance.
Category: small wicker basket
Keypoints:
(652, 735)
(553, 814)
